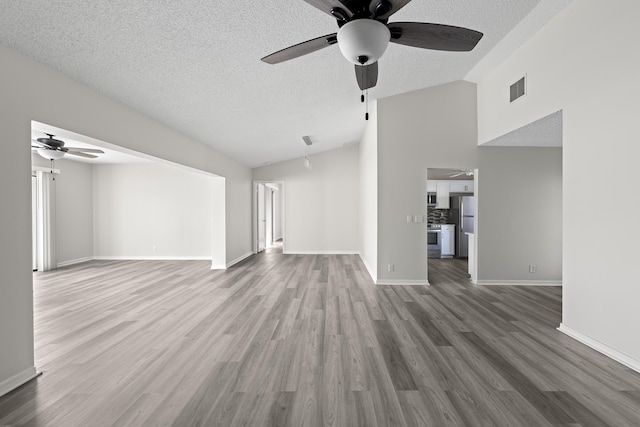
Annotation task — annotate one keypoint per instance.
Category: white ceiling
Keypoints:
(447, 174)
(195, 65)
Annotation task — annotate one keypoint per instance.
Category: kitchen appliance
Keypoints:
(447, 241)
(434, 241)
(461, 214)
(431, 200)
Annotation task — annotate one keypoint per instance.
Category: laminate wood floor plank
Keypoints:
(294, 340)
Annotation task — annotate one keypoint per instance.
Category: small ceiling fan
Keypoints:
(54, 149)
(364, 33)
(467, 172)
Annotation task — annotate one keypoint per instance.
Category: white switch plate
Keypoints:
(409, 218)
(418, 218)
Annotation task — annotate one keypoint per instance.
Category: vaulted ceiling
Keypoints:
(195, 65)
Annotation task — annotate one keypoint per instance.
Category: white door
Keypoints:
(261, 218)
(34, 223)
(268, 214)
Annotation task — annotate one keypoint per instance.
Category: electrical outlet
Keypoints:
(154, 248)
(532, 268)
(391, 267)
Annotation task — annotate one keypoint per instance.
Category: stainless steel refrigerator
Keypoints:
(461, 213)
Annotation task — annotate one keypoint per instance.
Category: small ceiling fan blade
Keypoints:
(434, 36)
(383, 9)
(456, 174)
(81, 154)
(367, 75)
(86, 150)
(300, 49)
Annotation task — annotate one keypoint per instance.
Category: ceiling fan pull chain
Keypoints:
(366, 114)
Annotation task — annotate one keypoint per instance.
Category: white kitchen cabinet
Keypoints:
(448, 245)
(431, 186)
(442, 195)
(461, 186)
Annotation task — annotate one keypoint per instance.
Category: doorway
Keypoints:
(268, 215)
(451, 223)
(43, 218)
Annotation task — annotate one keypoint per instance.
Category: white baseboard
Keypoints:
(153, 258)
(600, 347)
(74, 261)
(234, 262)
(519, 283)
(373, 274)
(18, 379)
(403, 282)
(321, 253)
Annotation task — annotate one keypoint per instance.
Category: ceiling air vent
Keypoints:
(516, 90)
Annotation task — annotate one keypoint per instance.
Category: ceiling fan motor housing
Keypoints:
(363, 41)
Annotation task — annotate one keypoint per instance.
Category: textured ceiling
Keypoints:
(545, 132)
(195, 65)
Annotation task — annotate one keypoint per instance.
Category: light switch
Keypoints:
(418, 218)
(409, 218)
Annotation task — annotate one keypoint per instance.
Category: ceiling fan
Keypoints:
(54, 149)
(467, 172)
(364, 33)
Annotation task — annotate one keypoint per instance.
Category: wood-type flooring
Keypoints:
(306, 340)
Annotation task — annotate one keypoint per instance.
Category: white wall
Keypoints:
(429, 128)
(152, 211)
(369, 193)
(74, 212)
(321, 204)
(520, 215)
(585, 62)
(24, 85)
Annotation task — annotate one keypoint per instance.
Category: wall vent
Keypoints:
(516, 90)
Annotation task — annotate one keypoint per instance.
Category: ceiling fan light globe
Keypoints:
(50, 154)
(363, 38)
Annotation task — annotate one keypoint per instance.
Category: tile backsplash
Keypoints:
(438, 216)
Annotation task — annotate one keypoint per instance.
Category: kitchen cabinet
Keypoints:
(442, 194)
(431, 186)
(461, 186)
(448, 245)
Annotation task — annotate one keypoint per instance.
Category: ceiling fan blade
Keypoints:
(86, 150)
(367, 75)
(434, 36)
(300, 49)
(456, 174)
(81, 154)
(385, 8)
